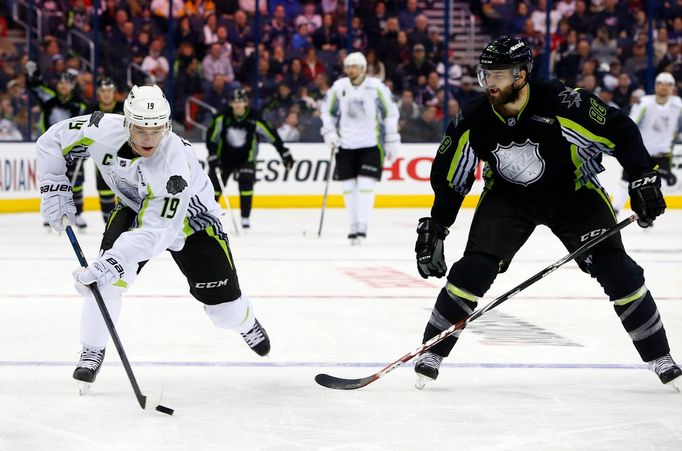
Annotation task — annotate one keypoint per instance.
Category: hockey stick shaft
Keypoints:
(141, 399)
(76, 170)
(349, 384)
(326, 191)
(223, 191)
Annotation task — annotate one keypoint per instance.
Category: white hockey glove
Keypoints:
(56, 200)
(391, 150)
(106, 270)
(332, 139)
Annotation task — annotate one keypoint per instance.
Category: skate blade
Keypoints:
(676, 384)
(421, 381)
(83, 388)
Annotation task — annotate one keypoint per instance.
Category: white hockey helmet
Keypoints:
(356, 59)
(146, 106)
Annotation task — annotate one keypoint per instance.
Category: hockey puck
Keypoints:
(164, 409)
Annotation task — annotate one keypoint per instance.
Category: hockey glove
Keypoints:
(332, 139)
(646, 198)
(429, 248)
(287, 159)
(56, 200)
(106, 270)
(391, 150)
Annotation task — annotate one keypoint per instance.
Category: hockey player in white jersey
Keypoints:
(658, 117)
(166, 203)
(360, 120)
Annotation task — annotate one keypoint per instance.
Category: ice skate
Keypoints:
(88, 366)
(246, 224)
(352, 238)
(257, 339)
(426, 368)
(667, 371)
(80, 223)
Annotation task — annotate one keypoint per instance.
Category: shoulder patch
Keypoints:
(570, 97)
(95, 118)
(176, 184)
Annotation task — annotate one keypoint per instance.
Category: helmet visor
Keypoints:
(496, 78)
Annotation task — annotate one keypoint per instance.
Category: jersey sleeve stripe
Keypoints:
(568, 125)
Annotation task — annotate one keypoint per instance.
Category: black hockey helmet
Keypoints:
(239, 95)
(106, 83)
(67, 77)
(504, 53)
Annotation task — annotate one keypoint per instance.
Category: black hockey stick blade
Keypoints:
(164, 409)
(339, 383)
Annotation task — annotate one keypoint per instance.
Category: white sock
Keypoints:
(365, 201)
(94, 332)
(620, 195)
(236, 315)
(350, 198)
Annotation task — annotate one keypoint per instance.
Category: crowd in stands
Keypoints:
(210, 50)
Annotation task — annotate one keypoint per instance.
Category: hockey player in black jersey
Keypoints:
(56, 105)
(106, 103)
(542, 144)
(232, 146)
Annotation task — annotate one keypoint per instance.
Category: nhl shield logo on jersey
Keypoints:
(520, 163)
(176, 184)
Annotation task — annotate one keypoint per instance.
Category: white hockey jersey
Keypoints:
(363, 115)
(171, 193)
(657, 123)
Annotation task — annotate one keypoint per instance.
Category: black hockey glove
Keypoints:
(429, 248)
(646, 198)
(287, 159)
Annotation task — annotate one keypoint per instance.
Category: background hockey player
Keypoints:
(541, 142)
(165, 202)
(232, 146)
(360, 120)
(58, 104)
(658, 117)
(106, 103)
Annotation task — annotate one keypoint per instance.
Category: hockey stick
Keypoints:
(76, 170)
(350, 384)
(145, 402)
(326, 191)
(219, 176)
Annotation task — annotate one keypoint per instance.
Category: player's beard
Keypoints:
(506, 95)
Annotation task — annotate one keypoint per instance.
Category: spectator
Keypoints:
(309, 17)
(185, 33)
(279, 103)
(289, 130)
(301, 39)
(326, 38)
(408, 15)
(218, 93)
(278, 61)
(604, 46)
(466, 93)
(454, 71)
(407, 108)
(539, 18)
(210, 30)
(217, 62)
(428, 94)
(375, 68)
(277, 32)
(155, 64)
(250, 6)
(50, 50)
(606, 95)
(661, 44)
(636, 65)
(453, 109)
(517, 22)
(418, 68)
(565, 7)
(423, 129)
(435, 50)
(311, 66)
(588, 83)
(613, 16)
(188, 78)
(322, 85)
(240, 31)
(581, 20)
(358, 35)
(610, 79)
(294, 77)
(419, 34)
(623, 92)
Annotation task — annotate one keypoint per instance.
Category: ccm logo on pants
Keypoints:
(216, 284)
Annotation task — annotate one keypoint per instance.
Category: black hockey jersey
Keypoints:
(234, 138)
(553, 146)
(53, 108)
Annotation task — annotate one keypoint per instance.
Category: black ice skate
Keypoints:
(87, 368)
(426, 368)
(257, 339)
(80, 222)
(667, 371)
(246, 223)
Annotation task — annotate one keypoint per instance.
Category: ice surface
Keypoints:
(549, 369)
